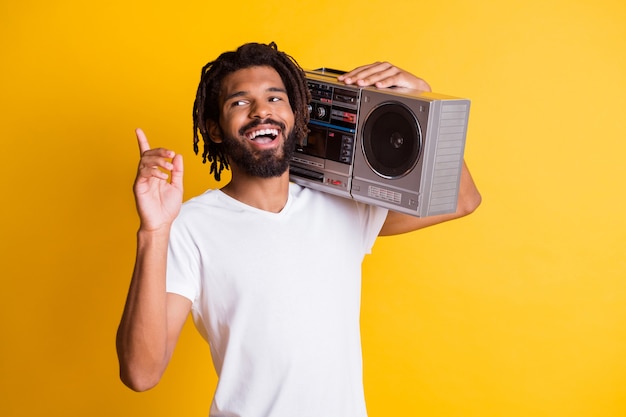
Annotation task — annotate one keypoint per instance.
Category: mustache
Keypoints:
(258, 122)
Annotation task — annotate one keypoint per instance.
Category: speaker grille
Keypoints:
(448, 157)
(384, 194)
(391, 140)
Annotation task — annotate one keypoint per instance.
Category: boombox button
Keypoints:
(335, 182)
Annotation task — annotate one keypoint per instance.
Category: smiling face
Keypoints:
(256, 122)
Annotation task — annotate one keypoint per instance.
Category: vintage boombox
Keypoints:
(396, 148)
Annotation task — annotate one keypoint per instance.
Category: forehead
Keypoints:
(251, 79)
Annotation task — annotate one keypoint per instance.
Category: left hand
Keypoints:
(382, 75)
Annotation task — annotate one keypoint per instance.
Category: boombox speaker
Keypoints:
(396, 148)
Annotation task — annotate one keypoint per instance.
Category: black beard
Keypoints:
(262, 164)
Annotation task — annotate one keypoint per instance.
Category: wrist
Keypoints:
(153, 233)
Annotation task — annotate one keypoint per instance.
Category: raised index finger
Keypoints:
(142, 140)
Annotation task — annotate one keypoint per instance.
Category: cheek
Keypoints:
(231, 122)
(289, 116)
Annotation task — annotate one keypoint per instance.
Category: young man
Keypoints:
(275, 293)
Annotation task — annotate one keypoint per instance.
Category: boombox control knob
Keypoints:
(321, 112)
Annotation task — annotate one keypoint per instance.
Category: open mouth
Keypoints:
(262, 135)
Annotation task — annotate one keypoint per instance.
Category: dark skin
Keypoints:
(152, 318)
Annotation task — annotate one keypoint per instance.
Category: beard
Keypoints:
(263, 164)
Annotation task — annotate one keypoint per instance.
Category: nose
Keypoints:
(260, 110)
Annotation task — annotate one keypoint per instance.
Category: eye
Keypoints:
(238, 103)
(275, 99)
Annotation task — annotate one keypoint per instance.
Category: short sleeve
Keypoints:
(372, 218)
(183, 263)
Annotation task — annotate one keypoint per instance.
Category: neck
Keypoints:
(269, 194)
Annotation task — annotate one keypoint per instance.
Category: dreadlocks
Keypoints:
(206, 105)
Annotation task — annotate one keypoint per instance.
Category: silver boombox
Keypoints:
(396, 148)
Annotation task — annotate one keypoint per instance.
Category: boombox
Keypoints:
(396, 148)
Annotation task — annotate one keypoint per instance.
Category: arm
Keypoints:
(152, 319)
(382, 75)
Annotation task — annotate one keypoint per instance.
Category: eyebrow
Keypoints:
(243, 93)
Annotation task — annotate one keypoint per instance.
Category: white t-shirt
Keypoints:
(277, 296)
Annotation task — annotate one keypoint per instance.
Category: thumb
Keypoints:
(177, 171)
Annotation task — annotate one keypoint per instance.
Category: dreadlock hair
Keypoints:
(206, 106)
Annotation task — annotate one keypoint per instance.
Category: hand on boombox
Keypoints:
(382, 75)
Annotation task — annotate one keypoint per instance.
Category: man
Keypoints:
(275, 296)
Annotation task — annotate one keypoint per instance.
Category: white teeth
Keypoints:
(262, 132)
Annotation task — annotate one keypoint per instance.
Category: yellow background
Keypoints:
(517, 310)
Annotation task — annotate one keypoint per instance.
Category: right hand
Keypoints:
(158, 201)
(382, 75)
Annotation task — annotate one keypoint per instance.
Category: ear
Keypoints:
(214, 130)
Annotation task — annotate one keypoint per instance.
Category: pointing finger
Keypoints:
(142, 140)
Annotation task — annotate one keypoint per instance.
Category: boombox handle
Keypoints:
(329, 71)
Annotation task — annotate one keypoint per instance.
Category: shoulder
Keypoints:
(213, 200)
(338, 207)
(313, 199)
(203, 207)
(208, 197)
